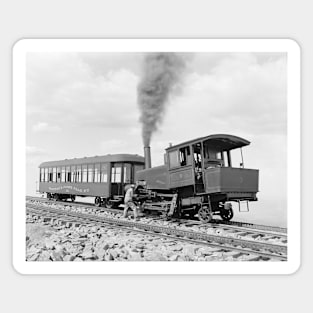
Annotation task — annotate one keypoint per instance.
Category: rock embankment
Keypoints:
(45, 242)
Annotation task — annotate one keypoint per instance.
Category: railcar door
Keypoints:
(116, 179)
(127, 174)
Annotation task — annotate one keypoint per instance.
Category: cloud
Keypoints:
(63, 88)
(34, 151)
(45, 127)
(238, 95)
(35, 155)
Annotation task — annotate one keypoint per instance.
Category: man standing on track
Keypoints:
(128, 201)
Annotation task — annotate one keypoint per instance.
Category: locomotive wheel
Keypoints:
(98, 201)
(227, 215)
(204, 214)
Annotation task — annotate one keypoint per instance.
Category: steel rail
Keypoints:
(276, 250)
(241, 226)
(258, 254)
(275, 229)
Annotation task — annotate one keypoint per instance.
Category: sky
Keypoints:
(85, 104)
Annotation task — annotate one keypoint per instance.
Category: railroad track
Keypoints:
(264, 250)
(231, 224)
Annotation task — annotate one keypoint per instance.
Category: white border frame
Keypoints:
(153, 45)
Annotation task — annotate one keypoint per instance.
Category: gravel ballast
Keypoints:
(48, 241)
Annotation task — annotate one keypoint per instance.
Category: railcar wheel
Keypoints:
(227, 215)
(98, 201)
(107, 204)
(204, 214)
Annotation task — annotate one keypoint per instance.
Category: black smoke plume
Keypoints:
(162, 74)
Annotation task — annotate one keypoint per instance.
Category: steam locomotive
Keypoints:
(197, 179)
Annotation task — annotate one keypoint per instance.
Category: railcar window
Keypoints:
(127, 173)
(63, 174)
(73, 173)
(54, 174)
(78, 174)
(42, 175)
(58, 174)
(90, 173)
(84, 173)
(104, 173)
(50, 174)
(116, 176)
(68, 174)
(174, 161)
(97, 173)
(46, 175)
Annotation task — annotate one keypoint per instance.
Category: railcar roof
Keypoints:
(222, 141)
(96, 159)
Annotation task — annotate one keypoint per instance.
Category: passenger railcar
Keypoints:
(198, 178)
(102, 177)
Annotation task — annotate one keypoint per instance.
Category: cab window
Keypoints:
(174, 160)
(184, 156)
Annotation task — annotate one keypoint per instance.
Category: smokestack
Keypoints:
(147, 154)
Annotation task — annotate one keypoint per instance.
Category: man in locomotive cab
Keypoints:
(128, 201)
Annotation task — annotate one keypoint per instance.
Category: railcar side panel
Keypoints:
(79, 189)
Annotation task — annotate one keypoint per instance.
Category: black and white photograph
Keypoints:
(157, 156)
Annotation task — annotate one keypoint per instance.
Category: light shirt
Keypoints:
(129, 195)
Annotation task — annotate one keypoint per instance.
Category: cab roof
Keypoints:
(223, 142)
(96, 159)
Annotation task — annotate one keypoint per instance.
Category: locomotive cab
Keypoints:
(202, 172)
